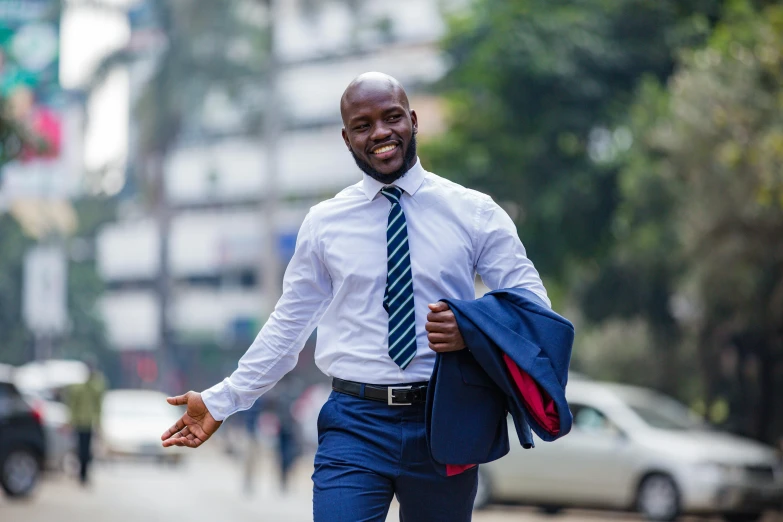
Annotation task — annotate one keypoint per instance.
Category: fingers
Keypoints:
(446, 316)
(179, 400)
(436, 338)
(189, 442)
(443, 347)
(183, 437)
(447, 328)
(180, 424)
(199, 433)
(440, 306)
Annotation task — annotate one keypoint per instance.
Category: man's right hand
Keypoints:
(194, 427)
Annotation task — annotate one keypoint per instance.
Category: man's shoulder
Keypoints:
(451, 189)
(346, 196)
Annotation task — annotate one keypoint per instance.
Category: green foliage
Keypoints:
(701, 214)
(14, 338)
(535, 97)
(641, 142)
(85, 287)
(12, 136)
(86, 333)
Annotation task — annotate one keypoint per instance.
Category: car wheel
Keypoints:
(742, 517)
(19, 471)
(658, 498)
(483, 491)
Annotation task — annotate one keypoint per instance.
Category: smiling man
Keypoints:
(370, 267)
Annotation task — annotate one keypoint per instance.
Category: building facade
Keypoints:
(216, 186)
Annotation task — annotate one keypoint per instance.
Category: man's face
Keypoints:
(379, 131)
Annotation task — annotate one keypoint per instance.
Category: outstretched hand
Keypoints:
(442, 330)
(194, 427)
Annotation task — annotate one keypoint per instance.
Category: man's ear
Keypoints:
(345, 139)
(415, 121)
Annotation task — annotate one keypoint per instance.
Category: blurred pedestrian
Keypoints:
(288, 447)
(85, 401)
(370, 268)
(250, 462)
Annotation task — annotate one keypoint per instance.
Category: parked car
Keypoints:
(43, 384)
(132, 422)
(634, 449)
(60, 438)
(22, 443)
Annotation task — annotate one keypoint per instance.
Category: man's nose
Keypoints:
(380, 132)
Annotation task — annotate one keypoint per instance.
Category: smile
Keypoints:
(385, 149)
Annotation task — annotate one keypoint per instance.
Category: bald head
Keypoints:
(379, 128)
(371, 85)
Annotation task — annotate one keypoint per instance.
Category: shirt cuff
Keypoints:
(219, 401)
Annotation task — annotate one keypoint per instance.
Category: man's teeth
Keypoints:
(385, 148)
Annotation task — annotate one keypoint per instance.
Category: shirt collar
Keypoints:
(410, 182)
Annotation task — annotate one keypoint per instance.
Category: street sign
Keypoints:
(44, 299)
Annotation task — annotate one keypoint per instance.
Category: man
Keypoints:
(85, 401)
(369, 268)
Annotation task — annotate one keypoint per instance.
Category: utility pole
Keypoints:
(154, 166)
(270, 269)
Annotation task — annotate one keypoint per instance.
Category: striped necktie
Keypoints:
(398, 298)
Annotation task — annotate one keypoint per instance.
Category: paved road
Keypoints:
(206, 488)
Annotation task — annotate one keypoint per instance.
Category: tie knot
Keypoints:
(393, 193)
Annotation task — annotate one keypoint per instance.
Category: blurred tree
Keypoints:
(701, 213)
(86, 334)
(15, 339)
(537, 95)
(11, 136)
(637, 277)
(542, 116)
(205, 49)
(85, 286)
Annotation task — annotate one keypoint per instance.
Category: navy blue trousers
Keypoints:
(368, 452)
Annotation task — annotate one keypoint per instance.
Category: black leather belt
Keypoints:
(405, 395)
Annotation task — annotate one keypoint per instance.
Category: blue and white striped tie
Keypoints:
(398, 298)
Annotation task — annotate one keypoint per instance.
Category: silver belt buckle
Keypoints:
(389, 391)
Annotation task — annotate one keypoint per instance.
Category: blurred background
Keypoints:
(157, 158)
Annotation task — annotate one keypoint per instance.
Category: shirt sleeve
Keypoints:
(501, 258)
(307, 292)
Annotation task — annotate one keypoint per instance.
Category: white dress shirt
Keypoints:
(337, 277)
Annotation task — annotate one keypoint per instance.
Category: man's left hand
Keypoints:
(443, 332)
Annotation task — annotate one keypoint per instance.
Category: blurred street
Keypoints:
(132, 491)
(206, 487)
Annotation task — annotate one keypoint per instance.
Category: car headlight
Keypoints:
(717, 471)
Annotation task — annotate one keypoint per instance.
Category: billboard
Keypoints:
(45, 290)
(33, 100)
(29, 47)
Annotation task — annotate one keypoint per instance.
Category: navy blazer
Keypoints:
(517, 362)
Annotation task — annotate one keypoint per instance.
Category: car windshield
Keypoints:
(666, 414)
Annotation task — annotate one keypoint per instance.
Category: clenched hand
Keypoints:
(443, 332)
(194, 427)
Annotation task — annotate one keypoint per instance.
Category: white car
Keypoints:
(634, 449)
(132, 422)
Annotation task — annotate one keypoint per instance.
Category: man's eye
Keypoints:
(361, 127)
(394, 118)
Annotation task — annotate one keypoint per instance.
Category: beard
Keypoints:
(387, 179)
